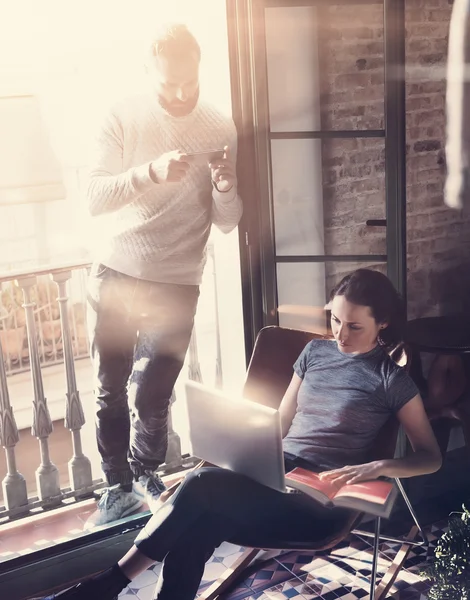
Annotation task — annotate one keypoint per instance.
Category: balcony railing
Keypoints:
(44, 294)
(42, 323)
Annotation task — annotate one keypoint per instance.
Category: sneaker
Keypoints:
(150, 487)
(113, 505)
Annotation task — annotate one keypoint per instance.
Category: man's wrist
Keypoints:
(152, 174)
(222, 191)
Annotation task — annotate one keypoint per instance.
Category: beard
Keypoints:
(176, 108)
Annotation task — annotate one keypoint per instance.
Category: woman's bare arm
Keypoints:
(426, 457)
(288, 406)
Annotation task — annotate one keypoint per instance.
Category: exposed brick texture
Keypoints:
(438, 237)
(351, 68)
(352, 97)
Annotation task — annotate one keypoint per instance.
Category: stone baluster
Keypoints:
(47, 474)
(13, 485)
(194, 368)
(80, 475)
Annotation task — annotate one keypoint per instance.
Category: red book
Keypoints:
(375, 497)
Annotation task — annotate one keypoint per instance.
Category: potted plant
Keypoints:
(450, 571)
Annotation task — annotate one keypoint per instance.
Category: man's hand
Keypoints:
(171, 167)
(223, 172)
(353, 474)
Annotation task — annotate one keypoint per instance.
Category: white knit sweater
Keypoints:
(156, 231)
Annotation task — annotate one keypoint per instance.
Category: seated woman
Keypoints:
(341, 393)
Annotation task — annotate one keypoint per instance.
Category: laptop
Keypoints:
(236, 434)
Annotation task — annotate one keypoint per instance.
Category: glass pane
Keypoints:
(324, 191)
(325, 67)
(353, 192)
(297, 196)
(292, 61)
(304, 288)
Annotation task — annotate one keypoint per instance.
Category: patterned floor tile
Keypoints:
(287, 590)
(227, 549)
(275, 594)
(148, 577)
(347, 577)
(214, 569)
(127, 594)
(306, 591)
(322, 586)
(231, 558)
(157, 567)
(145, 593)
(343, 574)
(345, 550)
(352, 595)
(266, 575)
(239, 592)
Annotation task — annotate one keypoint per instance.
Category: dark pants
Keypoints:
(139, 334)
(215, 505)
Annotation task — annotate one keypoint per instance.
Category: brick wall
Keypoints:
(352, 97)
(351, 49)
(438, 237)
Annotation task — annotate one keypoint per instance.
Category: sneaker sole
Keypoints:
(126, 513)
(131, 509)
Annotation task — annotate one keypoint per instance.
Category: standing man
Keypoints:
(156, 208)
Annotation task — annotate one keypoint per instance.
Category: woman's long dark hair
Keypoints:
(366, 287)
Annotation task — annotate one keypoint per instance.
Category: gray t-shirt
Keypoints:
(343, 402)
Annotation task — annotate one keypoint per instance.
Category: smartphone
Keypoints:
(204, 158)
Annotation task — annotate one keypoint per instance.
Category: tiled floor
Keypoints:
(341, 574)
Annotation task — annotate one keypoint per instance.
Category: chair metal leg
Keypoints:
(406, 540)
(412, 511)
(375, 556)
(387, 538)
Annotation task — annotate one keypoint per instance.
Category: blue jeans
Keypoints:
(215, 505)
(139, 334)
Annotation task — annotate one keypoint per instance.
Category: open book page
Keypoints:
(311, 479)
(371, 491)
(375, 497)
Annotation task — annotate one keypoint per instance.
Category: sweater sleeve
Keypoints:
(109, 187)
(227, 207)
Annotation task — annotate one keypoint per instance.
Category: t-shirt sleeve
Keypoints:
(301, 364)
(400, 389)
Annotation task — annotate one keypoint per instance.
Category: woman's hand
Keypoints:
(353, 474)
